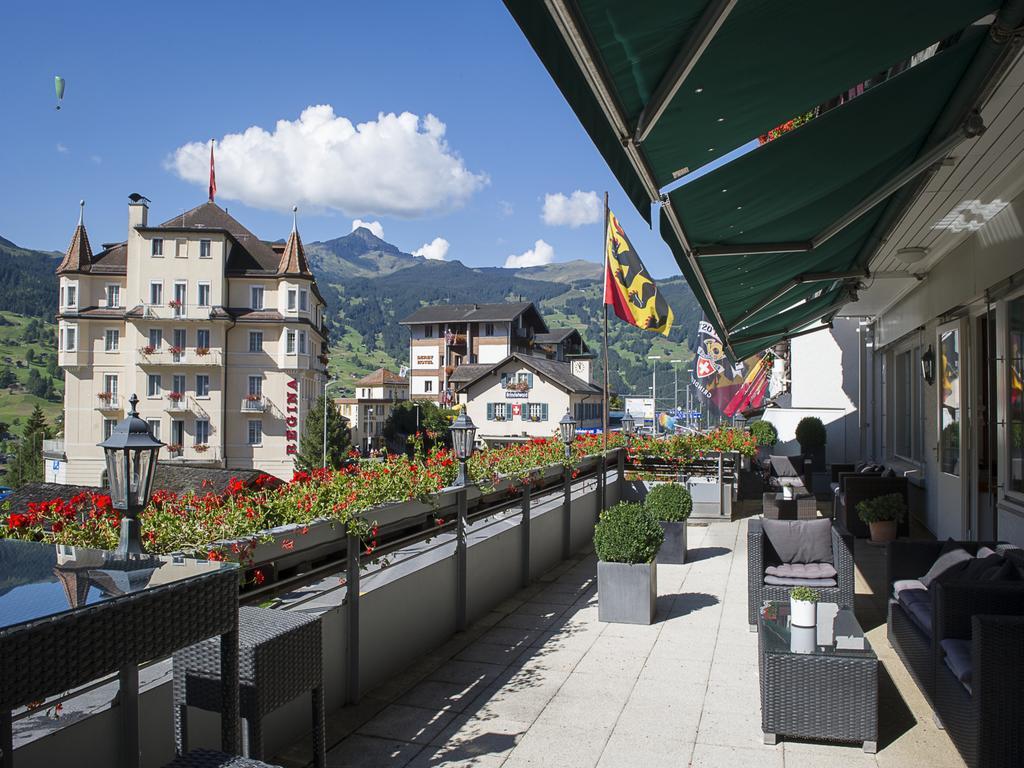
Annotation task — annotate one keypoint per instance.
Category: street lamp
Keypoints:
(323, 460)
(131, 452)
(654, 389)
(628, 424)
(675, 400)
(463, 442)
(567, 428)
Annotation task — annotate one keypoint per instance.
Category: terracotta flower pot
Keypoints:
(883, 531)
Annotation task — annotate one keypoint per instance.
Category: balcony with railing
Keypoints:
(194, 453)
(173, 310)
(180, 402)
(108, 402)
(198, 357)
(255, 404)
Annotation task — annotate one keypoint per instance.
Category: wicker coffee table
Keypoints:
(70, 615)
(810, 688)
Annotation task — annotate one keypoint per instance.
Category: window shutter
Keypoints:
(544, 412)
(490, 411)
(529, 380)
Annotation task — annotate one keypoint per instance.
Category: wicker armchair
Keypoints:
(855, 488)
(985, 620)
(760, 554)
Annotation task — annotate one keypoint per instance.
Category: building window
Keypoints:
(948, 379)
(255, 341)
(156, 293)
(1015, 396)
(255, 432)
(153, 385)
(204, 249)
(181, 249)
(289, 342)
(180, 297)
(302, 342)
(70, 338)
(497, 411)
(202, 338)
(202, 431)
(178, 383)
(111, 337)
(256, 297)
(108, 427)
(303, 301)
(538, 412)
(70, 296)
(428, 331)
(905, 416)
(154, 427)
(157, 246)
(256, 386)
(428, 386)
(110, 384)
(488, 329)
(292, 293)
(113, 295)
(156, 338)
(202, 385)
(203, 296)
(180, 336)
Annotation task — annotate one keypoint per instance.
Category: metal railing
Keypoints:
(255, 404)
(108, 401)
(170, 310)
(187, 357)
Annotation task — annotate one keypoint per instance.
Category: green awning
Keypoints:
(737, 69)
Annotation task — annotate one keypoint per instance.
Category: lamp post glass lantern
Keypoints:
(628, 424)
(567, 428)
(131, 452)
(463, 443)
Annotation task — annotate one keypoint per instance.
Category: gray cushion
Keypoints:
(802, 571)
(778, 581)
(945, 561)
(800, 541)
(908, 597)
(958, 658)
(921, 614)
(902, 584)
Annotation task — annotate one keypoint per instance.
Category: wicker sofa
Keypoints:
(855, 487)
(761, 555)
(962, 643)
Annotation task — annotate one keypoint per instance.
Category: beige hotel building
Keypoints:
(219, 333)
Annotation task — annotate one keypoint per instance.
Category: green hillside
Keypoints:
(20, 338)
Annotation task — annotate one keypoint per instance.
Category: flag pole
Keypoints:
(604, 409)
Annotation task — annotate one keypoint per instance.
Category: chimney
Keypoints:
(138, 211)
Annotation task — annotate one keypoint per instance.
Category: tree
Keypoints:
(339, 438)
(30, 355)
(7, 377)
(430, 419)
(27, 465)
(36, 423)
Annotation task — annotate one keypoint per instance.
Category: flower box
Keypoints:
(175, 350)
(175, 397)
(202, 351)
(149, 349)
(200, 447)
(174, 304)
(106, 397)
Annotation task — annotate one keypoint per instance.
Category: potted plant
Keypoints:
(105, 397)
(670, 504)
(803, 607)
(810, 433)
(174, 449)
(765, 436)
(175, 397)
(883, 514)
(174, 304)
(202, 351)
(149, 349)
(627, 539)
(200, 447)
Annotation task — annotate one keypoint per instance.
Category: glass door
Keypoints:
(954, 475)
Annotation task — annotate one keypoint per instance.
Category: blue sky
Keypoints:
(144, 79)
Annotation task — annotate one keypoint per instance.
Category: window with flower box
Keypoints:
(202, 431)
(498, 411)
(536, 412)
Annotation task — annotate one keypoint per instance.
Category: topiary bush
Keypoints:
(764, 433)
(627, 533)
(882, 509)
(669, 502)
(810, 433)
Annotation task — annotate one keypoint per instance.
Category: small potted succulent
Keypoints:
(803, 607)
(626, 539)
(883, 514)
(810, 433)
(670, 504)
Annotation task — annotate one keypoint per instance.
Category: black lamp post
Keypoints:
(567, 427)
(131, 452)
(464, 443)
(628, 425)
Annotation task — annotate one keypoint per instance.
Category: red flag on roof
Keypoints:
(213, 176)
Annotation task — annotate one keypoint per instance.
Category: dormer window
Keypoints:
(157, 246)
(204, 249)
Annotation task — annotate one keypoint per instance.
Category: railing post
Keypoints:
(566, 513)
(128, 691)
(721, 485)
(599, 491)
(460, 562)
(352, 597)
(524, 565)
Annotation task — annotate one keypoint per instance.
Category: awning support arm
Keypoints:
(796, 282)
(970, 129)
(791, 333)
(682, 65)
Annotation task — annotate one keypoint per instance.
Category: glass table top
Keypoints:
(836, 632)
(39, 580)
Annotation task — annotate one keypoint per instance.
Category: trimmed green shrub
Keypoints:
(627, 533)
(764, 433)
(882, 508)
(804, 594)
(669, 502)
(810, 433)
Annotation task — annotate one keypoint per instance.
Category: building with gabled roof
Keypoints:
(219, 333)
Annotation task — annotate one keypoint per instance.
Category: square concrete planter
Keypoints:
(626, 593)
(673, 549)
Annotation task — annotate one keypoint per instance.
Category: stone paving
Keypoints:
(540, 682)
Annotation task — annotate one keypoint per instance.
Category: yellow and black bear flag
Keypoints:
(628, 287)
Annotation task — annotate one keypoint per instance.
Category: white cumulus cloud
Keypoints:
(540, 254)
(577, 209)
(396, 165)
(374, 226)
(436, 249)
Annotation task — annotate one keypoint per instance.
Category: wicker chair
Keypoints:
(760, 554)
(205, 758)
(986, 620)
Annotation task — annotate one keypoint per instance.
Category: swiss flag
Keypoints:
(704, 367)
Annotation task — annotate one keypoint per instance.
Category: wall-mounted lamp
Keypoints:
(928, 366)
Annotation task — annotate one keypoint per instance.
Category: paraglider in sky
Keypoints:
(58, 85)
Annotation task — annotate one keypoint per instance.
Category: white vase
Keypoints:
(802, 613)
(802, 639)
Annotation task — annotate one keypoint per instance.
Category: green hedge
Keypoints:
(810, 433)
(764, 433)
(669, 502)
(627, 533)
